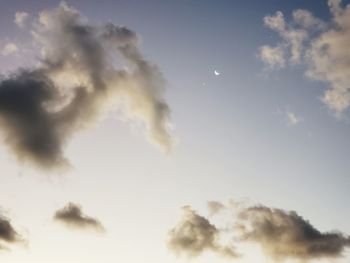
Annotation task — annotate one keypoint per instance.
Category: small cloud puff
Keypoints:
(72, 216)
(21, 18)
(293, 119)
(9, 49)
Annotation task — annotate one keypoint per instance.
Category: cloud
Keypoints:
(214, 207)
(21, 18)
(72, 216)
(282, 235)
(8, 234)
(286, 235)
(275, 22)
(77, 81)
(194, 234)
(329, 59)
(273, 57)
(306, 19)
(293, 38)
(9, 49)
(293, 119)
(322, 47)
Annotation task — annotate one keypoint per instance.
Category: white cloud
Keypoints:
(329, 59)
(273, 57)
(306, 19)
(21, 18)
(9, 49)
(293, 119)
(293, 38)
(275, 22)
(322, 46)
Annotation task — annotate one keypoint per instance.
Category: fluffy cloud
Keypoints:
(306, 19)
(72, 216)
(282, 235)
(323, 47)
(273, 57)
(9, 49)
(8, 234)
(293, 38)
(194, 234)
(42, 107)
(329, 59)
(21, 18)
(286, 235)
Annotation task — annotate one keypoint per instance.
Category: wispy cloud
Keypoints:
(273, 57)
(293, 38)
(42, 107)
(306, 19)
(9, 49)
(21, 18)
(322, 46)
(214, 207)
(293, 119)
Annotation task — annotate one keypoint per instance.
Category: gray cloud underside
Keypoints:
(77, 80)
(72, 216)
(194, 234)
(8, 234)
(281, 234)
(284, 234)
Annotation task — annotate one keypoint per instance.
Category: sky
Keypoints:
(174, 131)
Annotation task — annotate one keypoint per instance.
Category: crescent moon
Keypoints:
(216, 73)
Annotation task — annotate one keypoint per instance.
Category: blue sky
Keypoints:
(234, 138)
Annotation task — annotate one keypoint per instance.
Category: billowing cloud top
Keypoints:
(194, 234)
(40, 108)
(282, 235)
(72, 216)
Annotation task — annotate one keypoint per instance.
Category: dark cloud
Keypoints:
(283, 234)
(76, 81)
(30, 128)
(72, 216)
(8, 234)
(194, 234)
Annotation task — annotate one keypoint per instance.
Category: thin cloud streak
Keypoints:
(293, 119)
